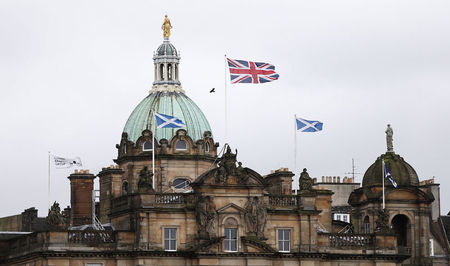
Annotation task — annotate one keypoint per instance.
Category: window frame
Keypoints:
(170, 239)
(179, 149)
(366, 225)
(230, 240)
(284, 240)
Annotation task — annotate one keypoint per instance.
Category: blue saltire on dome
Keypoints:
(170, 103)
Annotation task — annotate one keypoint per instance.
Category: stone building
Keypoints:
(340, 209)
(173, 198)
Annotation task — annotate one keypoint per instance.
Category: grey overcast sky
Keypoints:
(71, 72)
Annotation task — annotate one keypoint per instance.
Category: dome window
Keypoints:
(147, 146)
(181, 183)
(207, 147)
(181, 145)
(169, 71)
(161, 71)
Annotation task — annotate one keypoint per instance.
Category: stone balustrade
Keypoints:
(91, 237)
(284, 200)
(350, 240)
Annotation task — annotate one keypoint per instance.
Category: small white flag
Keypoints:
(61, 162)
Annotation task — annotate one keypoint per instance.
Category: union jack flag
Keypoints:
(251, 72)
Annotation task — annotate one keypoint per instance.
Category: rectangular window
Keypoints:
(345, 218)
(170, 239)
(231, 239)
(284, 240)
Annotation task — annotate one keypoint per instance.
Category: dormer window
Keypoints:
(147, 146)
(181, 145)
(207, 147)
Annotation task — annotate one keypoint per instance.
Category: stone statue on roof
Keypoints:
(166, 26)
(305, 182)
(389, 139)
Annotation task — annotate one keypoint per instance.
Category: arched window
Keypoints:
(124, 187)
(181, 145)
(181, 183)
(400, 224)
(161, 71)
(147, 146)
(125, 148)
(230, 242)
(207, 147)
(366, 225)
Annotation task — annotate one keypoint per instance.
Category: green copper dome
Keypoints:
(170, 103)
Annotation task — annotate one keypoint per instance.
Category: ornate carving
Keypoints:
(241, 174)
(145, 180)
(166, 26)
(389, 138)
(205, 214)
(227, 167)
(255, 216)
(305, 182)
(382, 223)
(55, 219)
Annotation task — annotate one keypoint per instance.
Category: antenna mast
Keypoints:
(353, 173)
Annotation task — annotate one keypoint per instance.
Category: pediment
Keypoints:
(217, 177)
(230, 208)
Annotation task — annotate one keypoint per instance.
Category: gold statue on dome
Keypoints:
(166, 26)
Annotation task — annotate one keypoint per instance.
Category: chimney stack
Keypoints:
(81, 187)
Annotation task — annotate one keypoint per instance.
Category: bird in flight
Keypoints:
(212, 90)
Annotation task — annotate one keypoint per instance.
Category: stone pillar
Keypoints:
(81, 186)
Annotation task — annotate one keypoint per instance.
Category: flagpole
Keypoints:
(48, 188)
(295, 143)
(153, 152)
(382, 164)
(226, 101)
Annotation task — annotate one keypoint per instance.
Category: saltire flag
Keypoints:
(167, 121)
(242, 71)
(304, 125)
(388, 175)
(61, 162)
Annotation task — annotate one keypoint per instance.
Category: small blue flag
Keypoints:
(388, 175)
(167, 121)
(304, 125)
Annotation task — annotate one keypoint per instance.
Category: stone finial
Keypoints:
(389, 133)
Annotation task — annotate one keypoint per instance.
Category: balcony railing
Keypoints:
(350, 240)
(284, 201)
(91, 237)
(171, 198)
(160, 200)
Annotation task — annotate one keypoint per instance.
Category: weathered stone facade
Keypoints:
(177, 200)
